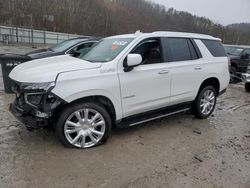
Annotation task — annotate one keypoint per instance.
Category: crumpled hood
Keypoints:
(47, 69)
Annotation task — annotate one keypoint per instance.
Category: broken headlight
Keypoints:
(33, 99)
(37, 87)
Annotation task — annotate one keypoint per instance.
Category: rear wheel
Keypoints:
(84, 125)
(247, 86)
(205, 102)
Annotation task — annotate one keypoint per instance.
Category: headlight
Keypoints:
(33, 99)
(37, 87)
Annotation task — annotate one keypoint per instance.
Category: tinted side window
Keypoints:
(81, 49)
(247, 51)
(150, 50)
(215, 47)
(178, 49)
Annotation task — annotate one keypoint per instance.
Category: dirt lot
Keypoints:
(178, 151)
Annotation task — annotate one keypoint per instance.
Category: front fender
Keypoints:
(71, 86)
(90, 93)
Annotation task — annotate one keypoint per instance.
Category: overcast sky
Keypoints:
(221, 11)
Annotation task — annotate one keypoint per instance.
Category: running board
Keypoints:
(158, 117)
(153, 115)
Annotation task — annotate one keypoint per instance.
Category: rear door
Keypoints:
(186, 68)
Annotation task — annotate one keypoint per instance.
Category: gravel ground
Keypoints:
(177, 151)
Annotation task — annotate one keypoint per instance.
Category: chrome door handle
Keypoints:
(164, 72)
(197, 68)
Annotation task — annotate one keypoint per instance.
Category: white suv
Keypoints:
(122, 81)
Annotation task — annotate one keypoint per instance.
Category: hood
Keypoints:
(47, 69)
(37, 51)
(43, 54)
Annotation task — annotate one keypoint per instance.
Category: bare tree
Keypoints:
(109, 17)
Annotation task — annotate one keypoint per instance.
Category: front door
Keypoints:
(147, 86)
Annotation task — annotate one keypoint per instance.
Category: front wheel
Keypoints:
(247, 86)
(205, 102)
(83, 125)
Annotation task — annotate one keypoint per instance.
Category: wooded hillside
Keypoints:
(109, 17)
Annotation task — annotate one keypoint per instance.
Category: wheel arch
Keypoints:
(101, 99)
(212, 81)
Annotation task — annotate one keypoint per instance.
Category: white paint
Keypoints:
(145, 88)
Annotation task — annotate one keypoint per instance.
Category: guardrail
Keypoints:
(10, 35)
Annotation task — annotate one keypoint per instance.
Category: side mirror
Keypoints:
(132, 61)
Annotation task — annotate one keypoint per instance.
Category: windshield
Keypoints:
(106, 50)
(235, 51)
(65, 45)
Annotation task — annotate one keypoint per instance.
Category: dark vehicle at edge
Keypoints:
(240, 63)
(239, 58)
(74, 47)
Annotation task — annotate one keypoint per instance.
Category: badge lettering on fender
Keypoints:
(107, 70)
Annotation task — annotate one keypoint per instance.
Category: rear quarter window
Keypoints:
(215, 47)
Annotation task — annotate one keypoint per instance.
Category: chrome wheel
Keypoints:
(207, 102)
(84, 128)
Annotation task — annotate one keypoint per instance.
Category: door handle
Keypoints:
(197, 68)
(164, 72)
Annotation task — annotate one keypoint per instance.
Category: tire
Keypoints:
(247, 86)
(209, 103)
(73, 130)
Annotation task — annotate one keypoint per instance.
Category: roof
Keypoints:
(166, 34)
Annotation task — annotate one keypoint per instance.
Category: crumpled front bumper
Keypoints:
(29, 120)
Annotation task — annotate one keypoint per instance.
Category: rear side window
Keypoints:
(180, 49)
(246, 52)
(215, 47)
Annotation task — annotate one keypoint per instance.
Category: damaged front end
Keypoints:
(35, 104)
